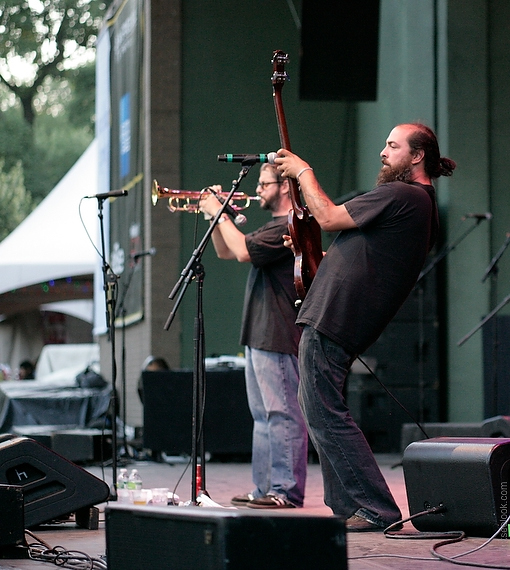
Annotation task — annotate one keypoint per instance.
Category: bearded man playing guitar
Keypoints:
(362, 281)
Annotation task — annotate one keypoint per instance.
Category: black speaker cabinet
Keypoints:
(52, 486)
(469, 477)
(214, 538)
(339, 50)
(168, 407)
(496, 365)
(12, 521)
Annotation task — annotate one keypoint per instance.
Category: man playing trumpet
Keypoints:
(271, 338)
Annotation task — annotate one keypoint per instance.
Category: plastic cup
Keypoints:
(139, 497)
(160, 496)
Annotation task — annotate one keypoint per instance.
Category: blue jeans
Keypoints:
(353, 483)
(280, 439)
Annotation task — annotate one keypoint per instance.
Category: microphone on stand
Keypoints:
(239, 219)
(486, 216)
(248, 158)
(112, 194)
(138, 254)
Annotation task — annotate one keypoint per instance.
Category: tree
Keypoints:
(62, 130)
(47, 86)
(16, 202)
(44, 39)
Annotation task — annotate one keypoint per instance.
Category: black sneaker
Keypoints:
(271, 502)
(242, 500)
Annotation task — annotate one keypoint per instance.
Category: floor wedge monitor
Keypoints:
(467, 477)
(52, 486)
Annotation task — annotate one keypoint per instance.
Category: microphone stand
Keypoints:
(505, 301)
(493, 265)
(447, 249)
(492, 269)
(194, 269)
(110, 286)
(122, 311)
(421, 312)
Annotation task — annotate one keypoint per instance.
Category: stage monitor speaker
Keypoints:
(468, 476)
(339, 50)
(214, 538)
(12, 521)
(52, 486)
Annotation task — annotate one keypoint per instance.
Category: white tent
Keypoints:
(51, 243)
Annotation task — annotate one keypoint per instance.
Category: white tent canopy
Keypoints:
(51, 243)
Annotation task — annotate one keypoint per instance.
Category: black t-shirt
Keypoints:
(369, 271)
(269, 313)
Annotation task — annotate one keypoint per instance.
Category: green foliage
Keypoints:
(82, 106)
(47, 87)
(49, 148)
(43, 39)
(15, 136)
(15, 202)
(57, 146)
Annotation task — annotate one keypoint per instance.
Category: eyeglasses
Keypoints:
(264, 185)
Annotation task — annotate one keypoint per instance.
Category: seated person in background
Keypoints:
(151, 363)
(26, 371)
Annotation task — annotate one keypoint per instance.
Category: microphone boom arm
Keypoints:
(492, 268)
(447, 249)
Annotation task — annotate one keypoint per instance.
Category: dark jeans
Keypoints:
(353, 482)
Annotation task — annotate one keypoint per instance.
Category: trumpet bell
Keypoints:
(155, 192)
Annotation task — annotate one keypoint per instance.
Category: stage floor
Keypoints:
(223, 480)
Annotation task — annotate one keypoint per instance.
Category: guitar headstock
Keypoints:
(280, 58)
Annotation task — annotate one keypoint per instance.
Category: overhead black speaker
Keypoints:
(215, 539)
(469, 477)
(52, 486)
(339, 50)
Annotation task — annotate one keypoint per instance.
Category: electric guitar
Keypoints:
(303, 228)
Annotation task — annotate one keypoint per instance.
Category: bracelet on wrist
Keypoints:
(303, 170)
(223, 218)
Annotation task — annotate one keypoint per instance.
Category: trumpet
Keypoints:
(187, 200)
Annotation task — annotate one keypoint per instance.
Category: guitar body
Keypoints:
(303, 228)
(307, 241)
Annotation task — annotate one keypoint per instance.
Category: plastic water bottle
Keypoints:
(122, 479)
(122, 486)
(134, 486)
(134, 481)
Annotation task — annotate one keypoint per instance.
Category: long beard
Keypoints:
(401, 173)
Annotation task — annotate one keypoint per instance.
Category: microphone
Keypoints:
(112, 194)
(486, 216)
(138, 254)
(239, 219)
(248, 158)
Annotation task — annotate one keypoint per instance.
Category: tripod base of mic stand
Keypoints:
(204, 500)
